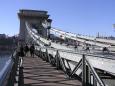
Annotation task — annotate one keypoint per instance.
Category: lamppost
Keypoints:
(114, 27)
(48, 28)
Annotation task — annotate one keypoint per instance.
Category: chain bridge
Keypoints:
(66, 52)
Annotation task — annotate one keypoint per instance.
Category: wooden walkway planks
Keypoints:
(40, 73)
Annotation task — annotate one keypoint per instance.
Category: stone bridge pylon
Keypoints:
(35, 19)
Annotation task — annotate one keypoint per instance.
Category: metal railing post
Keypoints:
(96, 79)
(21, 82)
(83, 71)
(94, 82)
(57, 60)
(48, 57)
(40, 53)
(87, 75)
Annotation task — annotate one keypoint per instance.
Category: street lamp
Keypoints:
(48, 28)
(114, 27)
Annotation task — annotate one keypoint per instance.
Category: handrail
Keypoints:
(83, 37)
(6, 71)
(59, 62)
(69, 51)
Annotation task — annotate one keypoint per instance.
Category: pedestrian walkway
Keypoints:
(40, 73)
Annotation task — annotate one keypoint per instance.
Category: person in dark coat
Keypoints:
(87, 49)
(105, 49)
(32, 50)
(26, 49)
(21, 53)
(76, 47)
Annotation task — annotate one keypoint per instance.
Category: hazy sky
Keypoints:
(77, 16)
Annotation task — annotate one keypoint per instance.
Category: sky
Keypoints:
(86, 17)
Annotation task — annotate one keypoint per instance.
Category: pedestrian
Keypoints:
(49, 43)
(87, 49)
(21, 52)
(32, 50)
(21, 55)
(105, 49)
(26, 49)
(76, 47)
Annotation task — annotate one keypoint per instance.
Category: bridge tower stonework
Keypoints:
(35, 19)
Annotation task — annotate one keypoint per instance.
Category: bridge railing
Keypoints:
(82, 38)
(86, 39)
(42, 41)
(4, 73)
(83, 68)
(8, 73)
(97, 61)
(72, 57)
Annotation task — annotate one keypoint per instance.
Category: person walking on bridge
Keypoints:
(87, 48)
(21, 52)
(105, 49)
(76, 47)
(21, 55)
(26, 49)
(32, 50)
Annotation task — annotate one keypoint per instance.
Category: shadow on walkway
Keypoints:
(40, 73)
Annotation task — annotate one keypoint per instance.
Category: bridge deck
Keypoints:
(40, 73)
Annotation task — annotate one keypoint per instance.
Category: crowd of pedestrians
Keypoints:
(24, 50)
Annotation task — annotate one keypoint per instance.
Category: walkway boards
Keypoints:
(40, 73)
